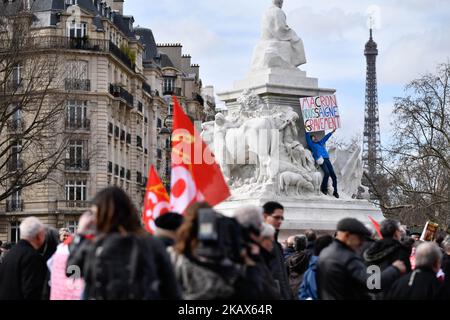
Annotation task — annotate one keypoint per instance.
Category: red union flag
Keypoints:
(376, 226)
(156, 201)
(195, 174)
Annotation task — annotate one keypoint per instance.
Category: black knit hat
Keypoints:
(169, 221)
(353, 226)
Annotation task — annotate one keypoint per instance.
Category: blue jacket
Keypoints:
(318, 148)
(308, 289)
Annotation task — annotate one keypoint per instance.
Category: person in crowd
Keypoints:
(289, 250)
(260, 284)
(64, 233)
(308, 288)
(167, 226)
(48, 249)
(63, 287)
(201, 270)
(322, 158)
(445, 266)
(120, 260)
(22, 272)
(274, 215)
(298, 263)
(311, 237)
(389, 249)
(341, 273)
(4, 249)
(369, 241)
(416, 236)
(421, 283)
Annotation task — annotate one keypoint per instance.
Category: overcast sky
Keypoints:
(412, 36)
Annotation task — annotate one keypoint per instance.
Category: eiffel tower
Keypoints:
(371, 143)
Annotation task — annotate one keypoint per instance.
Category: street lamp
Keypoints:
(166, 132)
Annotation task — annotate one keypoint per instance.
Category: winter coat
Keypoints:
(22, 273)
(318, 149)
(199, 282)
(297, 265)
(446, 269)
(386, 251)
(288, 252)
(83, 253)
(308, 288)
(420, 284)
(279, 271)
(342, 274)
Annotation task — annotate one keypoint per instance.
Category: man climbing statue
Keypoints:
(322, 158)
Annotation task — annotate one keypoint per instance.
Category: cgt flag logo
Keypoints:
(156, 201)
(195, 174)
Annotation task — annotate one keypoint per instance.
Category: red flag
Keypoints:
(195, 174)
(377, 226)
(156, 201)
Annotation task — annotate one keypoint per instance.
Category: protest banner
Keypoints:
(320, 113)
(429, 231)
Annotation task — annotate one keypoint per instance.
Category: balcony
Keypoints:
(78, 124)
(198, 98)
(115, 50)
(146, 87)
(119, 92)
(76, 165)
(172, 91)
(70, 205)
(77, 85)
(14, 206)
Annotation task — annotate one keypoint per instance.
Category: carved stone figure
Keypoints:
(293, 179)
(280, 46)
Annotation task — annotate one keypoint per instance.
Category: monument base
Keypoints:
(320, 213)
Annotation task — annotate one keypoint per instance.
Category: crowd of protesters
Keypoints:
(203, 255)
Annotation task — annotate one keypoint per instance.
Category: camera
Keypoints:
(220, 238)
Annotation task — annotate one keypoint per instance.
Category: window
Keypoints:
(110, 128)
(76, 114)
(77, 69)
(110, 167)
(16, 149)
(139, 141)
(75, 190)
(16, 75)
(76, 153)
(14, 232)
(71, 2)
(170, 109)
(159, 123)
(72, 226)
(168, 85)
(77, 30)
(117, 132)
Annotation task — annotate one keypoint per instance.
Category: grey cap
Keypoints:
(354, 226)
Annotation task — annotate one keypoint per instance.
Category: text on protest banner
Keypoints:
(320, 113)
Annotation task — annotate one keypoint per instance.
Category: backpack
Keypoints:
(121, 268)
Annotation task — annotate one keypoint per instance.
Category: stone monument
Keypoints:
(260, 144)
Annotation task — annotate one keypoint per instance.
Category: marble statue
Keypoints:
(280, 46)
(259, 152)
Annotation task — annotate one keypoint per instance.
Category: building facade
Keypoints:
(116, 84)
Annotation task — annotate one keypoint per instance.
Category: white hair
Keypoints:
(30, 228)
(427, 254)
(249, 216)
(268, 231)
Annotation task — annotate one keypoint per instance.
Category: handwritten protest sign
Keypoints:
(320, 113)
(429, 231)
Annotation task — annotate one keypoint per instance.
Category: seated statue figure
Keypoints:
(280, 46)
